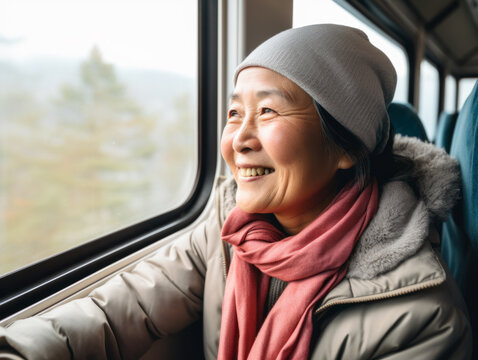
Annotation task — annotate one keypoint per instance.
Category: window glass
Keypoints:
(308, 12)
(450, 94)
(428, 104)
(466, 85)
(98, 119)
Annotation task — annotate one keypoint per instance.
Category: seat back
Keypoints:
(405, 121)
(446, 126)
(460, 231)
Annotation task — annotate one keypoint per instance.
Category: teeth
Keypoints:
(255, 171)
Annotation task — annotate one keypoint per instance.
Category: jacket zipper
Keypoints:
(226, 258)
(388, 295)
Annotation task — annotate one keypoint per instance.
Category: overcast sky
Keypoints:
(130, 33)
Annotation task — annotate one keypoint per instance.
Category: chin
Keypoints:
(246, 208)
(247, 205)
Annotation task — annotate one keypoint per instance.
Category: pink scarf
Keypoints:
(313, 262)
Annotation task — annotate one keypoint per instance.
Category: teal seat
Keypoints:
(405, 121)
(446, 126)
(460, 231)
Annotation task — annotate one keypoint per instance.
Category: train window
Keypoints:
(428, 105)
(465, 87)
(98, 119)
(450, 94)
(307, 12)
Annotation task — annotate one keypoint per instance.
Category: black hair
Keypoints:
(385, 166)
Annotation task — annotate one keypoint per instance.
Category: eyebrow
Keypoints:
(265, 93)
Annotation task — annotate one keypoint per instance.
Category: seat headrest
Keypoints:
(405, 121)
(464, 148)
(446, 126)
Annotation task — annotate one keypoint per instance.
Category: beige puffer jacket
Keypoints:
(396, 302)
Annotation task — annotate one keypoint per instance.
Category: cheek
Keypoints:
(298, 149)
(282, 143)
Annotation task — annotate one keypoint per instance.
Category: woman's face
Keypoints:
(273, 145)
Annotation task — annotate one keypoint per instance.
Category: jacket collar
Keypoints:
(421, 271)
(404, 218)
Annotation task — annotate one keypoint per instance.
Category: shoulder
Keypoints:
(423, 319)
(423, 325)
(413, 310)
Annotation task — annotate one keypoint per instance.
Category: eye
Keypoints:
(231, 113)
(267, 111)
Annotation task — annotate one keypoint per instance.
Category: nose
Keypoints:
(246, 138)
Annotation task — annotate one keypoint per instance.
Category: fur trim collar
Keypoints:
(402, 223)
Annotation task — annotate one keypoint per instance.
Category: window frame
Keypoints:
(438, 97)
(30, 284)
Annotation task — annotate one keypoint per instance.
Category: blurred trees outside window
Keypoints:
(88, 147)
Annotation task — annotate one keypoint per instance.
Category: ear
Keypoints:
(344, 162)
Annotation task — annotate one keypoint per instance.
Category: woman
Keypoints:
(328, 253)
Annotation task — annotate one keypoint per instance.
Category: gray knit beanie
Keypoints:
(341, 70)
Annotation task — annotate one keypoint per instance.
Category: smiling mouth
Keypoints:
(256, 171)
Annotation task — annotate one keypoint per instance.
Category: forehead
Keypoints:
(262, 82)
(265, 92)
